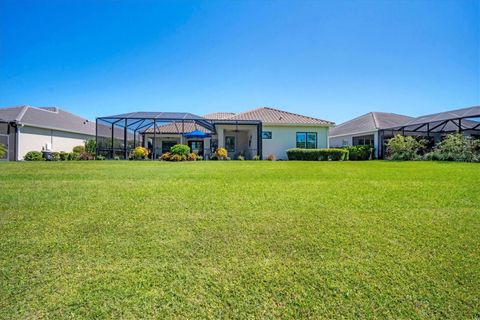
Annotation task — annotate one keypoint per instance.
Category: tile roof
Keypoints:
(371, 121)
(48, 117)
(274, 116)
(219, 115)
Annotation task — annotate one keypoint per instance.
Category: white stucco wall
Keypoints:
(285, 137)
(34, 139)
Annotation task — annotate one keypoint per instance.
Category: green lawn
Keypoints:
(239, 240)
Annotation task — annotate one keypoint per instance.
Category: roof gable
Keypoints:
(371, 121)
(48, 117)
(275, 116)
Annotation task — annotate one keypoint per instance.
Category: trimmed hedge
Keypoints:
(359, 152)
(317, 154)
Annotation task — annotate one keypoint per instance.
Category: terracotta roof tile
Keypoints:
(219, 115)
(274, 116)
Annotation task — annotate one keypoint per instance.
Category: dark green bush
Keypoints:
(317, 154)
(33, 156)
(99, 157)
(359, 152)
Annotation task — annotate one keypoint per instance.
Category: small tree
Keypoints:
(90, 146)
(404, 148)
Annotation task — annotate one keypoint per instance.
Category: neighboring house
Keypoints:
(364, 130)
(27, 128)
(282, 130)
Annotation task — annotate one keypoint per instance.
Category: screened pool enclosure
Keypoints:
(435, 127)
(118, 135)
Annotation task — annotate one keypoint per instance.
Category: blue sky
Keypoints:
(329, 59)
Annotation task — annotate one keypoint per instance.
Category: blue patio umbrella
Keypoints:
(196, 134)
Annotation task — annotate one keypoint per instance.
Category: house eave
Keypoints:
(53, 128)
(353, 133)
(321, 125)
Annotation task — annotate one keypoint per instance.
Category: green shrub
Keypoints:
(100, 157)
(256, 158)
(91, 146)
(317, 154)
(359, 152)
(63, 155)
(33, 156)
(55, 156)
(455, 147)
(73, 156)
(116, 158)
(2, 150)
(180, 149)
(337, 154)
(78, 149)
(241, 158)
(404, 148)
(199, 158)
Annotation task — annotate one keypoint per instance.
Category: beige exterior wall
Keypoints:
(285, 137)
(245, 139)
(34, 139)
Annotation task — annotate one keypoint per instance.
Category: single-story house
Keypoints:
(435, 127)
(282, 130)
(376, 128)
(27, 128)
(259, 132)
(364, 130)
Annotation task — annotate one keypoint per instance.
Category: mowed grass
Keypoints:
(239, 240)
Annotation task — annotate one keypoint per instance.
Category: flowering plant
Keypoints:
(140, 153)
(221, 153)
(192, 157)
(166, 156)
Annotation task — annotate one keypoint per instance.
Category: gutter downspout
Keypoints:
(17, 140)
